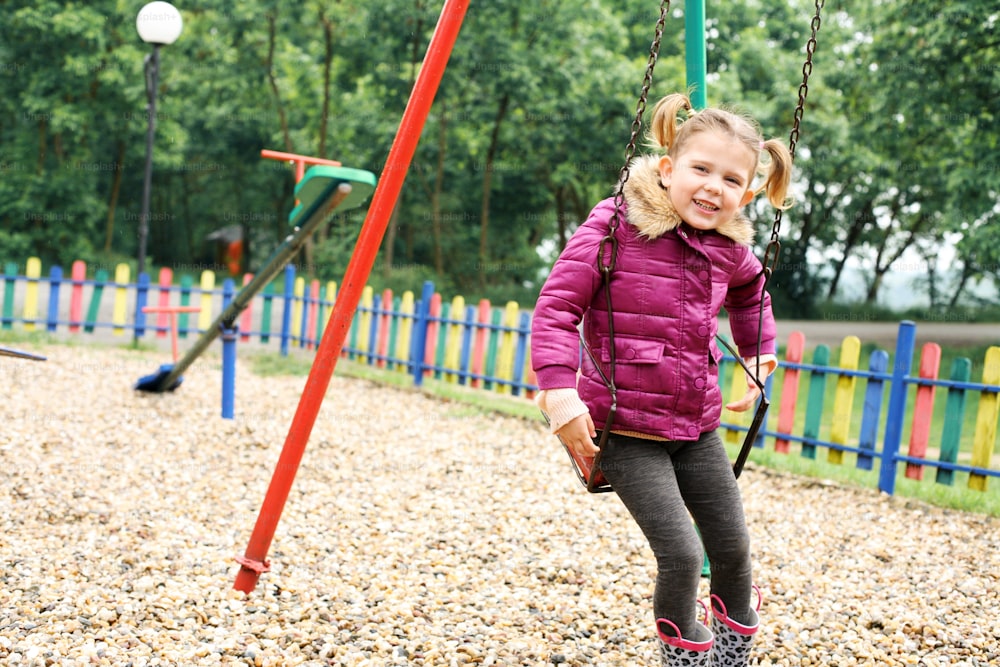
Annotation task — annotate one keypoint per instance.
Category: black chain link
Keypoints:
(774, 245)
(608, 265)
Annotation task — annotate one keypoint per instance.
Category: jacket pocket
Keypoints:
(715, 354)
(633, 350)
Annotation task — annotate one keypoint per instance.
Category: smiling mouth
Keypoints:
(705, 206)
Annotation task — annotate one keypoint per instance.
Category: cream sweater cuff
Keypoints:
(768, 364)
(561, 406)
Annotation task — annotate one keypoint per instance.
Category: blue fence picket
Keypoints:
(902, 362)
(55, 280)
(877, 364)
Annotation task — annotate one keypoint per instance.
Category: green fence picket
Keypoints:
(100, 278)
(9, 284)
(954, 415)
(814, 403)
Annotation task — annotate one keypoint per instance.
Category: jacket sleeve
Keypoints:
(744, 302)
(564, 299)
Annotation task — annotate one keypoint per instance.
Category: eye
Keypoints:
(700, 168)
(734, 180)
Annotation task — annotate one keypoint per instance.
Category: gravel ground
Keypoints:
(417, 533)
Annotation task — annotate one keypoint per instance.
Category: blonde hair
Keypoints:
(671, 133)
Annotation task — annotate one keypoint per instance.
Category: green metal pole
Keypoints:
(694, 51)
(694, 59)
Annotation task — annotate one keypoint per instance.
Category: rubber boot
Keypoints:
(677, 651)
(732, 639)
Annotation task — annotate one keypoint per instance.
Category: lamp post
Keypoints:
(158, 23)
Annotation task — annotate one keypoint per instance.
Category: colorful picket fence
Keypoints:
(480, 346)
(487, 347)
(846, 432)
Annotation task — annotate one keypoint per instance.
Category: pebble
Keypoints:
(417, 532)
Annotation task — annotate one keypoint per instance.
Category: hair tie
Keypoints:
(761, 145)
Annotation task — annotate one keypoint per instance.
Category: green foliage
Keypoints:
(526, 134)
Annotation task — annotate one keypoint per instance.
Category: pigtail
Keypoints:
(664, 123)
(779, 174)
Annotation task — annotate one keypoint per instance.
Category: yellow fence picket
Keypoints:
(406, 306)
(299, 293)
(331, 297)
(364, 315)
(737, 390)
(33, 272)
(453, 351)
(205, 314)
(508, 341)
(843, 398)
(986, 420)
(119, 315)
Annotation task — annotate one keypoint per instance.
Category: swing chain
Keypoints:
(607, 265)
(774, 245)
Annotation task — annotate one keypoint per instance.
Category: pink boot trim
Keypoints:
(719, 612)
(677, 641)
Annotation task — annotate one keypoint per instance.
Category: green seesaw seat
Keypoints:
(320, 183)
(320, 195)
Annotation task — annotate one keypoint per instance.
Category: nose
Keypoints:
(713, 185)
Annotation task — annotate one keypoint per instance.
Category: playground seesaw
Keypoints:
(20, 354)
(323, 191)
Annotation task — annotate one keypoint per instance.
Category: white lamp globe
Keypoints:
(159, 23)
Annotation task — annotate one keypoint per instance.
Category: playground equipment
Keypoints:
(171, 312)
(20, 354)
(587, 468)
(324, 190)
(254, 561)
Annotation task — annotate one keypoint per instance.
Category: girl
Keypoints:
(683, 253)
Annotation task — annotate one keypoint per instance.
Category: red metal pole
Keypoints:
(254, 562)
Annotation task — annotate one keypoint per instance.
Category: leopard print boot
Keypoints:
(732, 639)
(677, 651)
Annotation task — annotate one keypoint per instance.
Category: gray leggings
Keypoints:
(660, 483)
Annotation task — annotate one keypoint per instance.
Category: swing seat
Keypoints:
(587, 472)
(319, 181)
(585, 468)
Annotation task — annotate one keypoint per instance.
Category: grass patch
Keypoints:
(956, 496)
(474, 401)
(41, 338)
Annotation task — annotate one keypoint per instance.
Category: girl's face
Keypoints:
(710, 181)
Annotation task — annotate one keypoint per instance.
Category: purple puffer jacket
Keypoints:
(667, 289)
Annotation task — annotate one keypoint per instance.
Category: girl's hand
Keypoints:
(767, 366)
(578, 434)
(748, 399)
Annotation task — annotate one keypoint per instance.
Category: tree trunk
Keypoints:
(962, 282)
(857, 228)
(327, 64)
(561, 217)
(43, 141)
(323, 232)
(881, 268)
(438, 187)
(484, 217)
(272, 21)
(393, 229)
(116, 186)
(932, 278)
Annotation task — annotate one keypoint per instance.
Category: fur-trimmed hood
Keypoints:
(652, 213)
